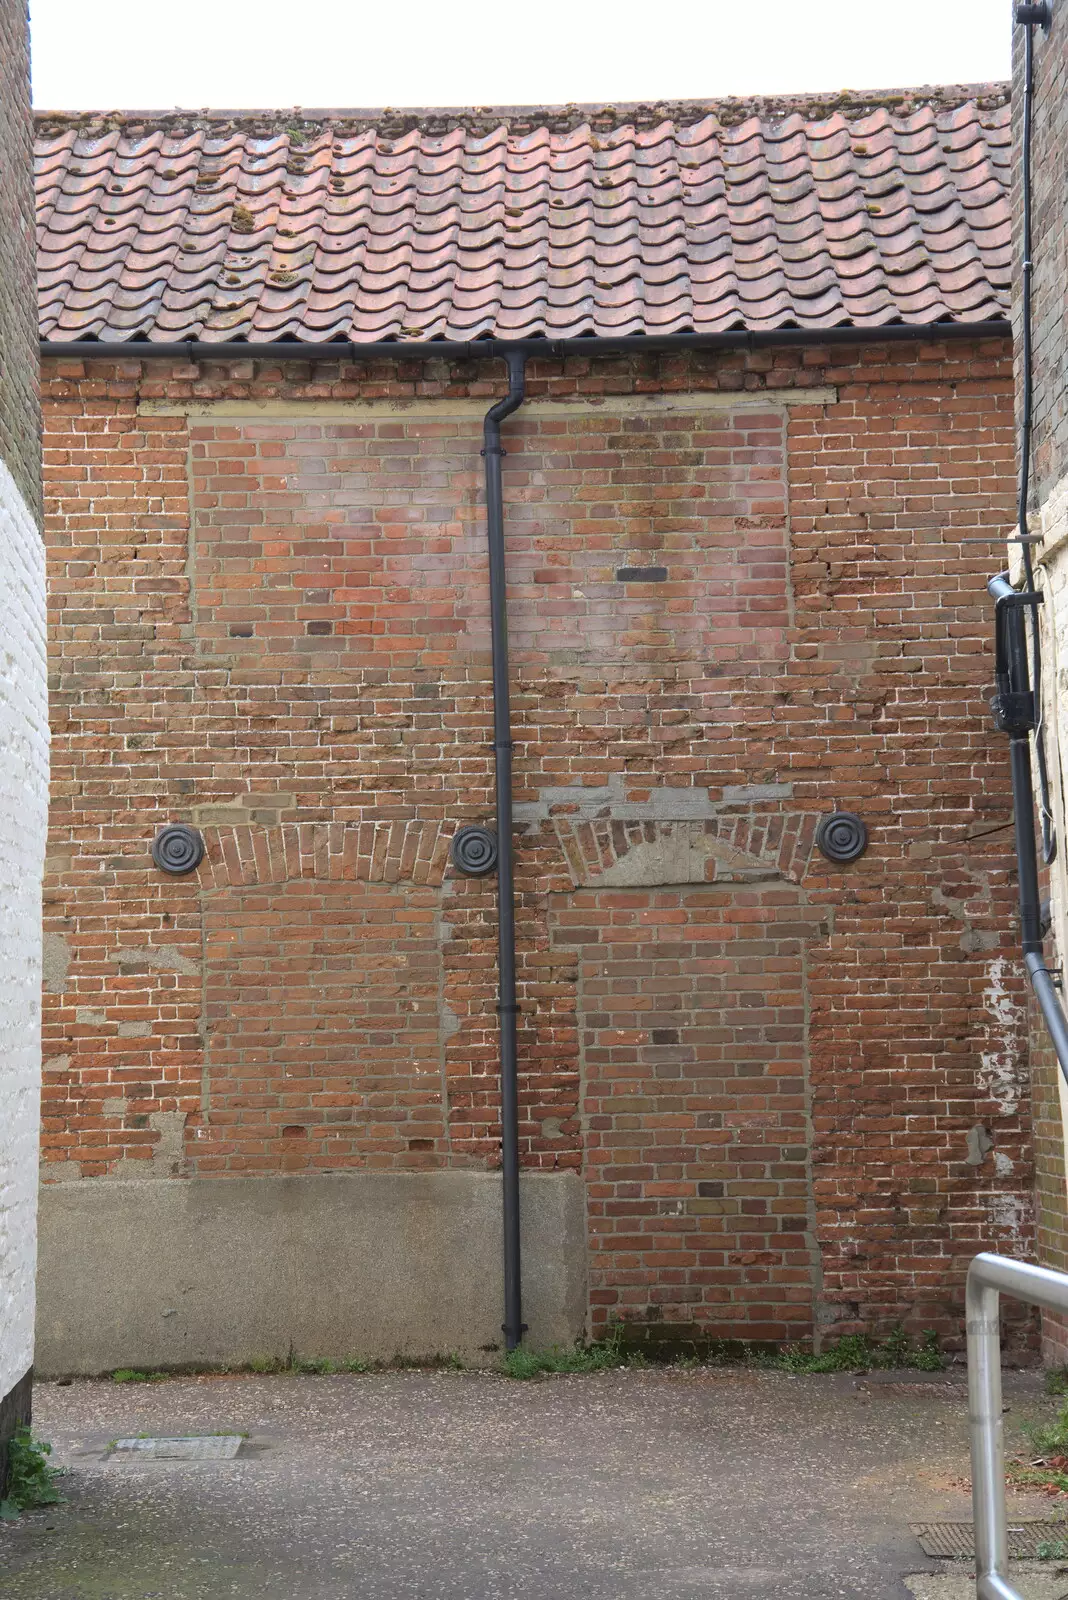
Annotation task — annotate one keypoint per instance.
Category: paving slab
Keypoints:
(723, 1484)
(1035, 1581)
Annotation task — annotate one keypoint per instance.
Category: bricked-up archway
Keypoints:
(322, 1002)
(694, 1053)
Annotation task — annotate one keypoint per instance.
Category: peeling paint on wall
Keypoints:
(1002, 1062)
(1010, 1220)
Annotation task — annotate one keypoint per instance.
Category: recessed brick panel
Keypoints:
(336, 542)
(323, 1030)
(692, 1030)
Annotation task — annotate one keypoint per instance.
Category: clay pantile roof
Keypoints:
(753, 215)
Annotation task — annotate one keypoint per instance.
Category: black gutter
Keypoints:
(1014, 707)
(507, 1008)
(485, 349)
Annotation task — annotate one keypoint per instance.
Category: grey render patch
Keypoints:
(195, 1447)
(665, 803)
(161, 958)
(980, 1145)
(55, 963)
(743, 793)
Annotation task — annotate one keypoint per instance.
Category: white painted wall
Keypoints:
(23, 819)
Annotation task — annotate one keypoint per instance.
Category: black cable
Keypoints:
(1049, 837)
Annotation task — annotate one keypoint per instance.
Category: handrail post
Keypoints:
(986, 1429)
(989, 1277)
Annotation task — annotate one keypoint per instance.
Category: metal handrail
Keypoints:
(989, 1277)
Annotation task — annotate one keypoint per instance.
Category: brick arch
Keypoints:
(396, 851)
(731, 849)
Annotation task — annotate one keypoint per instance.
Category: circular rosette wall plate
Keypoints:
(842, 837)
(178, 849)
(474, 851)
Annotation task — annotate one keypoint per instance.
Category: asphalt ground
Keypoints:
(621, 1485)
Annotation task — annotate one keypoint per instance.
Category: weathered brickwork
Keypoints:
(20, 413)
(1051, 1237)
(739, 599)
(1048, 503)
(1049, 184)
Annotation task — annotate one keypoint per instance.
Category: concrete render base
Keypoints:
(165, 1273)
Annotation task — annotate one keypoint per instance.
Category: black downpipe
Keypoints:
(1014, 713)
(1017, 704)
(513, 1326)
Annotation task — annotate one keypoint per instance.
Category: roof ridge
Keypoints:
(729, 110)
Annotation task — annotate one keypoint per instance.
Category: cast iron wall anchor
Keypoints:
(178, 849)
(842, 836)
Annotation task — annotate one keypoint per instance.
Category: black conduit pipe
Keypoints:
(1014, 713)
(513, 1325)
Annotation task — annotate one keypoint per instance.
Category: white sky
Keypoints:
(110, 54)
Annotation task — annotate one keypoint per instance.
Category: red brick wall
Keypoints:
(1050, 1231)
(20, 414)
(1049, 179)
(276, 627)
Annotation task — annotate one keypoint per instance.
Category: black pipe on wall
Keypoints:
(507, 1008)
(1017, 704)
(1015, 713)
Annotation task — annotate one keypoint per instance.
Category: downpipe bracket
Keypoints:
(1014, 713)
(1035, 16)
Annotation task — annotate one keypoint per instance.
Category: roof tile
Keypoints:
(443, 225)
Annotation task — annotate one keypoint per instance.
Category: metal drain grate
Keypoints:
(947, 1540)
(196, 1447)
